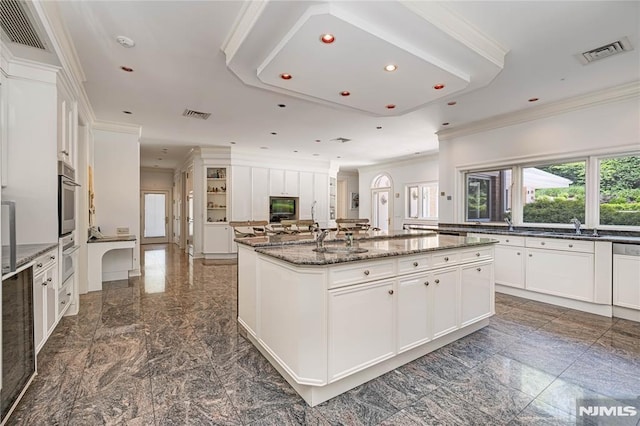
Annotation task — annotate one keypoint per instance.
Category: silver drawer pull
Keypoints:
(437, 281)
(390, 291)
(426, 283)
(506, 241)
(530, 255)
(52, 257)
(542, 243)
(68, 294)
(366, 272)
(39, 265)
(478, 254)
(570, 245)
(446, 259)
(415, 263)
(518, 253)
(49, 280)
(63, 302)
(479, 269)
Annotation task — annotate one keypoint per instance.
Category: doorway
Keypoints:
(155, 217)
(381, 206)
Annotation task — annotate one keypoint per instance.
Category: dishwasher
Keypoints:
(626, 281)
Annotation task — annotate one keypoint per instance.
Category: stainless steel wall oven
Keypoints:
(66, 199)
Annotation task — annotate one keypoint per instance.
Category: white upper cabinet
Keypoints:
(306, 195)
(321, 195)
(241, 199)
(259, 193)
(284, 183)
(67, 127)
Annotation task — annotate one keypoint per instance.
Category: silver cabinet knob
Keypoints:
(530, 255)
(52, 257)
(570, 245)
(366, 272)
(518, 253)
(479, 269)
(68, 294)
(437, 281)
(49, 280)
(390, 291)
(63, 302)
(426, 283)
(506, 241)
(446, 259)
(542, 243)
(415, 263)
(39, 265)
(477, 254)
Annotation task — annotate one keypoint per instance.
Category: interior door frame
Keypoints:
(167, 222)
(374, 216)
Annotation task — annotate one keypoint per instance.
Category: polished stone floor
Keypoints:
(164, 349)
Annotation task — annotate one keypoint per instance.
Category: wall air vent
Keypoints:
(341, 140)
(17, 25)
(605, 51)
(196, 114)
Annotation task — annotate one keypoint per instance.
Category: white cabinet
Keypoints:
(321, 195)
(444, 287)
(413, 312)
(560, 273)
(306, 196)
(216, 188)
(259, 193)
(217, 238)
(361, 327)
(240, 194)
(45, 291)
(476, 293)
(626, 284)
(284, 182)
(509, 265)
(67, 127)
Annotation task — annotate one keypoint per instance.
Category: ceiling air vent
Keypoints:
(605, 51)
(15, 22)
(341, 140)
(196, 114)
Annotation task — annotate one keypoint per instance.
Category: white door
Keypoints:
(380, 202)
(155, 217)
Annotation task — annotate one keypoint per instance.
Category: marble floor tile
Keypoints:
(489, 339)
(528, 318)
(620, 343)
(544, 308)
(441, 365)
(184, 356)
(508, 300)
(539, 413)
(467, 353)
(293, 415)
(442, 407)
(515, 375)
(398, 419)
(552, 360)
(513, 328)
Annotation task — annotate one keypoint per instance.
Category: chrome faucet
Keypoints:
(577, 224)
(506, 219)
(320, 238)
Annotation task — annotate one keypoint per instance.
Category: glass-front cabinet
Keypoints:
(217, 200)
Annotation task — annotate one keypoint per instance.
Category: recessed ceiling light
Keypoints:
(127, 112)
(452, 103)
(445, 124)
(155, 165)
(264, 147)
(315, 155)
(286, 76)
(345, 93)
(390, 106)
(295, 150)
(318, 140)
(534, 99)
(416, 153)
(391, 67)
(125, 41)
(439, 86)
(338, 156)
(274, 133)
(281, 105)
(327, 38)
(232, 143)
(378, 127)
(126, 69)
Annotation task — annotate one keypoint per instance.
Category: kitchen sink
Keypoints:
(340, 250)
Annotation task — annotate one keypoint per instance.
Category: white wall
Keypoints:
(420, 169)
(117, 195)
(612, 127)
(353, 186)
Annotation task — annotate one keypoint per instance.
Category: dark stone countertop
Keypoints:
(111, 239)
(303, 254)
(25, 253)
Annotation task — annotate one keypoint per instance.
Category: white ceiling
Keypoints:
(179, 63)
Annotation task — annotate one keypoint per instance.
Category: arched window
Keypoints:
(381, 181)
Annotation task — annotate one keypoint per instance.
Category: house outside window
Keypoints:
(488, 195)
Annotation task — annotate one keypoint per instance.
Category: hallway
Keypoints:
(164, 349)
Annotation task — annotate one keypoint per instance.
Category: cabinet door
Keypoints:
(321, 195)
(444, 302)
(413, 312)
(216, 239)
(361, 327)
(240, 193)
(306, 195)
(50, 299)
(476, 293)
(276, 182)
(259, 193)
(509, 265)
(39, 313)
(561, 273)
(626, 285)
(291, 183)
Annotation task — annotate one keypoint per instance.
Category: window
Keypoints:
(422, 201)
(554, 193)
(488, 195)
(619, 202)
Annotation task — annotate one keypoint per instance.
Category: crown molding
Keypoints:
(600, 97)
(401, 162)
(245, 21)
(158, 170)
(110, 126)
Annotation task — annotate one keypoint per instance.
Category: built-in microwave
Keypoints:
(66, 199)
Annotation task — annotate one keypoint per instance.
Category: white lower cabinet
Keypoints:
(476, 293)
(45, 290)
(217, 238)
(626, 284)
(361, 327)
(560, 273)
(509, 265)
(445, 301)
(413, 312)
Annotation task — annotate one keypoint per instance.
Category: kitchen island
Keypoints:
(331, 321)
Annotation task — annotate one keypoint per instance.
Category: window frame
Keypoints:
(420, 186)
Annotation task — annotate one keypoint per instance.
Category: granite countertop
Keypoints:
(303, 254)
(111, 239)
(25, 253)
(288, 239)
(628, 237)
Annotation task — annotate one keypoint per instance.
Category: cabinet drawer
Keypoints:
(45, 261)
(444, 258)
(64, 296)
(560, 244)
(509, 240)
(367, 271)
(479, 253)
(409, 264)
